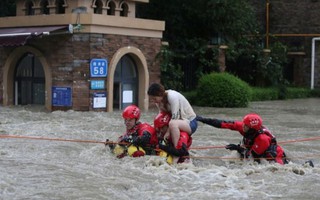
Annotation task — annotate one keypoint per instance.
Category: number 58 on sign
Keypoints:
(98, 68)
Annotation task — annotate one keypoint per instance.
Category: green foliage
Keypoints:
(169, 79)
(247, 59)
(271, 67)
(296, 93)
(264, 94)
(189, 19)
(274, 93)
(243, 57)
(192, 26)
(191, 96)
(208, 61)
(222, 90)
(315, 93)
(7, 8)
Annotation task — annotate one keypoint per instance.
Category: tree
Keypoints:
(201, 19)
(192, 26)
(7, 8)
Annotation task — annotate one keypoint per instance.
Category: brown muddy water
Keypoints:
(46, 169)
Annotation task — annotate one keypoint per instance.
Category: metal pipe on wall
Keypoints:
(313, 50)
(267, 24)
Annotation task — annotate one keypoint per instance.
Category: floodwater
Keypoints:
(55, 169)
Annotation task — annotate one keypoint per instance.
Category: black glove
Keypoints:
(235, 147)
(126, 139)
(137, 141)
(142, 140)
(110, 144)
(175, 152)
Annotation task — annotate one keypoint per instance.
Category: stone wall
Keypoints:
(69, 59)
(294, 17)
(2, 60)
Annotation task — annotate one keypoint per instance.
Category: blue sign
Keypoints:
(99, 94)
(98, 68)
(61, 96)
(97, 84)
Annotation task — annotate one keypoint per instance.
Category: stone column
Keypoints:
(37, 10)
(222, 57)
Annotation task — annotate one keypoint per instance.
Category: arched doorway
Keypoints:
(142, 74)
(126, 82)
(29, 81)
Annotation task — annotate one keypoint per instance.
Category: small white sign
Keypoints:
(99, 102)
(127, 96)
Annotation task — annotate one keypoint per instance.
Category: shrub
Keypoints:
(222, 90)
(296, 93)
(315, 93)
(191, 96)
(264, 94)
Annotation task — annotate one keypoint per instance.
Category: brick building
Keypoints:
(297, 24)
(76, 54)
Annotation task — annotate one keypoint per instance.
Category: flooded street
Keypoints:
(81, 167)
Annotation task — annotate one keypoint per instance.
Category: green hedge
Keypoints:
(191, 96)
(296, 93)
(263, 94)
(315, 93)
(226, 90)
(222, 90)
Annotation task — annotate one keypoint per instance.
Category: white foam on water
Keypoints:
(44, 169)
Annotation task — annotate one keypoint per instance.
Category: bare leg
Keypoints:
(175, 127)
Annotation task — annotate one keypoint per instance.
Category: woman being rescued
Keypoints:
(183, 117)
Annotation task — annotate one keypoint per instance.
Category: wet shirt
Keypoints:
(178, 106)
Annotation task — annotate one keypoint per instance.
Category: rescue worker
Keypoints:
(258, 141)
(139, 138)
(180, 151)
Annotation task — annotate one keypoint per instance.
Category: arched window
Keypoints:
(44, 7)
(29, 8)
(124, 10)
(111, 8)
(60, 7)
(98, 7)
(29, 81)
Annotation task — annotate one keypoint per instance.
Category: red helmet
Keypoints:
(131, 112)
(253, 121)
(161, 120)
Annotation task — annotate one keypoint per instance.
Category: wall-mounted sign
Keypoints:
(61, 96)
(98, 68)
(97, 84)
(127, 96)
(99, 100)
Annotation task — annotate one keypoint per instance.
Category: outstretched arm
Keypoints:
(219, 123)
(212, 122)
